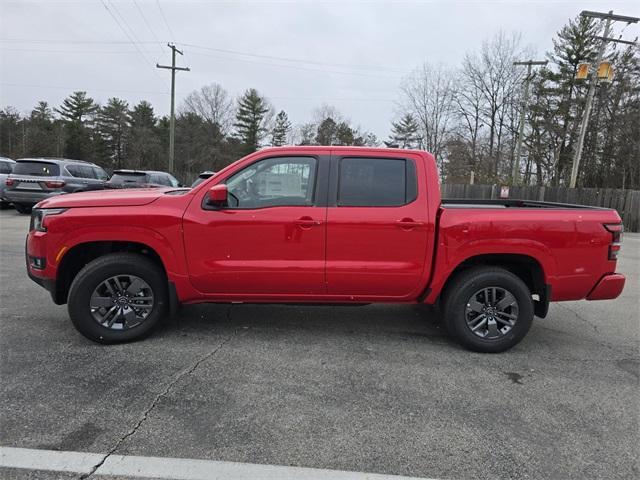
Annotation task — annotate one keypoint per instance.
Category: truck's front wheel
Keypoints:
(488, 309)
(117, 298)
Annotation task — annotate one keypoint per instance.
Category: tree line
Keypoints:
(468, 117)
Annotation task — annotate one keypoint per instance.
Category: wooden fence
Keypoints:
(626, 202)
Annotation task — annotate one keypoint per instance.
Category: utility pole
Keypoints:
(609, 18)
(515, 174)
(172, 118)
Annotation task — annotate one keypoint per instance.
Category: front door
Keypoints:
(270, 240)
(377, 227)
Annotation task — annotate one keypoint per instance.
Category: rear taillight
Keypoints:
(616, 230)
(10, 182)
(54, 184)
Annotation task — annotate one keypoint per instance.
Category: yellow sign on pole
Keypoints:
(605, 72)
(583, 71)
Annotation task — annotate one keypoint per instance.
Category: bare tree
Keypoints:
(428, 94)
(212, 103)
(494, 82)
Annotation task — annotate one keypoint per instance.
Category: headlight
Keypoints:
(39, 214)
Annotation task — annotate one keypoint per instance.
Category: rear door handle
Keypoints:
(307, 222)
(409, 223)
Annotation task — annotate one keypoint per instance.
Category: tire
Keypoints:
(466, 300)
(95, 275)
(23, 208)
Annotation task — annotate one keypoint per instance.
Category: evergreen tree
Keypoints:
(327, 131)
(404, 133)
(281, 129)
(113, 124)
(251, 120)
(10, 133)
(77, 112)
(576, 43)
(42, 136)
(145, 148)
(345, 135)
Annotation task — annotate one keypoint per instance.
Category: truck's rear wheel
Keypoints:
(488, 309)
(117, 298)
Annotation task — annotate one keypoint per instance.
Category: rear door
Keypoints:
(377, 226)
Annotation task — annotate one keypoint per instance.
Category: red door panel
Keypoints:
(377, 251)
(277, 250)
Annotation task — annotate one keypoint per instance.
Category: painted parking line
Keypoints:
(170, 468)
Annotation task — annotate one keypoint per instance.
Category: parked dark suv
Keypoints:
(36, 179)
(140, 179)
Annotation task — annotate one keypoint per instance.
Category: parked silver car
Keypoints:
(35, 179)
(6, 167)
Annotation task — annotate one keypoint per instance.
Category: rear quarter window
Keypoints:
(80, 171)
(37, 169)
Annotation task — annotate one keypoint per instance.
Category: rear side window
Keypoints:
(37, 169)
(376, 182)
(6, 167)
(80, 171)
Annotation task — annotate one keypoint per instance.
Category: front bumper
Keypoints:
(35, 246)
(610, 286)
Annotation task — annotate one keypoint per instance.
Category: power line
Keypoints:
(135, 2)
(297, 67)
(173, 37)
(296, 60)
(131, 30)
(59, 87)
(115, 19)
(225, 51)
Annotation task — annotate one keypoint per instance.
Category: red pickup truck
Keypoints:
(339, 225)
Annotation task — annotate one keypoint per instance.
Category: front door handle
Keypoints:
(307, 222)
(409, 223)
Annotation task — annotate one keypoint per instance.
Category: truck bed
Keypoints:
(504, 203)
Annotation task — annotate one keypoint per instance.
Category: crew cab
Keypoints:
(317, 225)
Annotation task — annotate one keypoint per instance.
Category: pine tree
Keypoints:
(576, 43)
(41, 131)
(77, 112)
(281, 129)
(326, 132)
(145, 149)
(404, 133)
(114, 123)
(251, 119)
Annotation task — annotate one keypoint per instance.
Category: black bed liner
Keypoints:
(482, 203)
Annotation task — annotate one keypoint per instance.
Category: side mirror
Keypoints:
(217, 196)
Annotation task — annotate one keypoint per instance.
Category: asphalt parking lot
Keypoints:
(369, 389)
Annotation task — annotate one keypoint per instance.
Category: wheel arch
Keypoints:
(76, 257)
(529, 269)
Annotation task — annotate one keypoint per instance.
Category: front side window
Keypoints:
(376, 182)
(282, 181)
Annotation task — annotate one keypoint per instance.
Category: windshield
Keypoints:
(36, 169)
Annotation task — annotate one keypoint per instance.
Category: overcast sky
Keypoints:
(300, 54)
